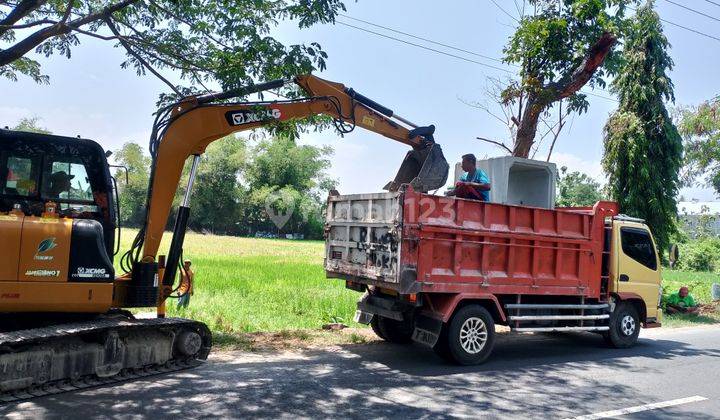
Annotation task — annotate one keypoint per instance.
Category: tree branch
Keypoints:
(22, 9)
(33, 40)
(538, 101)
(189, 24)
(142, 61)
(28, 25)
(68, 10)
(582, 74)
(561, 123)
(94, 35)
(497, 143)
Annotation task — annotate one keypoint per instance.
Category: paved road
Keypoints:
(528, 376)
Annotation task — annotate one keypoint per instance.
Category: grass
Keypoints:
(700, 286)
(246, 285)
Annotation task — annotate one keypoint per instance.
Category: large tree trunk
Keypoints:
(553, 92)
(525, 136)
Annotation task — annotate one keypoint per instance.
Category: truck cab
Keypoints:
(635, 267)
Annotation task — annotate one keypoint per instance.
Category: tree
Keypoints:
(133, 193)
(287, 185)
(32, 125)
(643, 149)
(217, 194)
(700, 126)
(200, 40)
(561, 47)
(576, 189)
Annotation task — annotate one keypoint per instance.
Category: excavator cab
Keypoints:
(57, 206)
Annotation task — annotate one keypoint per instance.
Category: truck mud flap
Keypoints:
(362, 317)
(427, 330)
(385, 307)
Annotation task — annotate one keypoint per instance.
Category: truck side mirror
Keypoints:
(674, 255)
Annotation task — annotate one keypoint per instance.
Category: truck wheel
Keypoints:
(471, 335)
(374, 324)
(624, 326)
(398, 332)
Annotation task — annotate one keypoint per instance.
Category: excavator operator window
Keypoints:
(67, 182)
(19, 175)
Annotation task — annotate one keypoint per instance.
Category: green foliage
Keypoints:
(200, 40)
(235, 194)
(700, 126)
(133, 193)
(288, 181)
(32, 125)
(700, 255)
(550, 44)
(576, 189)
(643, 149)
(218, 194)
(24, 66)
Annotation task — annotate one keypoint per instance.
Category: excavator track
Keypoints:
(73, 356)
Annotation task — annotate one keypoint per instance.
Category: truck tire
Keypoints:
(374, 324)
(442, 347)
(624, 326)
(398, 332)
(470, 335)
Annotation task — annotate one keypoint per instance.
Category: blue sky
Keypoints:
(90, 95)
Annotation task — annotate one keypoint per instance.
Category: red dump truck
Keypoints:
(444, 271)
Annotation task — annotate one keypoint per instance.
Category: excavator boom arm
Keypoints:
(196, 122)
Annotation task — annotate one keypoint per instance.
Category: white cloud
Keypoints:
(573, 162)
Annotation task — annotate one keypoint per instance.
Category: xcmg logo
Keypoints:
(249, 116)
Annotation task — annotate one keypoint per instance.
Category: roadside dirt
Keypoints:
(293, 339)
(300, 339)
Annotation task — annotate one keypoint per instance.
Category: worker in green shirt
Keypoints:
(681, 302)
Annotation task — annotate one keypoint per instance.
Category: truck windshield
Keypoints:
(637, 244)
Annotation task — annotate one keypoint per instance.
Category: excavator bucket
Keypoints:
(424, 169)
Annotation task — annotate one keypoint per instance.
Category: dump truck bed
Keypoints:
(411, 242)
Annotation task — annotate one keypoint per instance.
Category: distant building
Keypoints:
(691, 213)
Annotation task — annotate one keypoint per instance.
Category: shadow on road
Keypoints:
(529, 376)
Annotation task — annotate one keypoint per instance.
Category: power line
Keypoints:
(695, 31)
(691, 30)
(444, 52)
(713, 2)
(693, 10)
(424, 39)
(505, 11)
(424, 47)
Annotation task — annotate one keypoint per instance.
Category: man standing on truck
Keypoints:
(681, 302)
(474, 184)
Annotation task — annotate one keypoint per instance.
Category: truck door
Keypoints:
(637, 268)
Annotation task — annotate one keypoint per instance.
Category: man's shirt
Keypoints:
(686, 302)
(479, 177)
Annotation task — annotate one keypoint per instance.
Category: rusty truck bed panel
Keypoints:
(454, 245)
(361, 240)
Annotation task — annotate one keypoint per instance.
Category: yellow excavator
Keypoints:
(64, 322)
